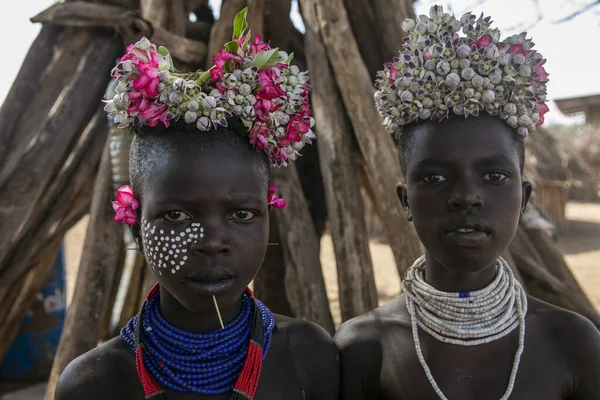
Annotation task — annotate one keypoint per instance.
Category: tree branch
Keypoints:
(578, 12)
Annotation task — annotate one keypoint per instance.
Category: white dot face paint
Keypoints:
(166, 252)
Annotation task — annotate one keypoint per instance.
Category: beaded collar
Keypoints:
(204, 363)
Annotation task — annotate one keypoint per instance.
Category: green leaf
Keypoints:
(289, 59)
(264, 60)
(240, 24)
(247, 40)
(232, 46)
(162, 50)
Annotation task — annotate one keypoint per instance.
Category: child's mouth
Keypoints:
(210, 285)
(468, 235)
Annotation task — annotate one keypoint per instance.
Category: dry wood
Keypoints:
(304, 278)
(389, 15)
(278, 26)
(269, 282)
(156, 11)
(356, 279)
(132, 304)
(42, 158)
(25, 87)
(222, 30)
(106, 327)
(256, 17)
(378, 151)
(29, 286)
(62, 204)
(101, 252)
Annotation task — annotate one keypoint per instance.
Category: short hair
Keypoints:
(405, 145)
(150, 144)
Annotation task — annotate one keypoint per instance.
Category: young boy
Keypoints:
(199, 208)
(463, 327)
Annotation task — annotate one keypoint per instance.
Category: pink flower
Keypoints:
(393, 71)
(220, 59)
(269, 88)
(275, 201)
(125, 206)
(258, 135)
(427, 56)
(542, 74)
(297, 127)
(482, 42)
(259, 45)
(542, 109)
(154, 113)
(518, 49)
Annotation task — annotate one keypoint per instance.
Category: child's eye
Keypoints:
(494, 177)
(434, 178)
(176, 216)
(242, 215)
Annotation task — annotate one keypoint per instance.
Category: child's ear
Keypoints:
(402, 193)
(527, 190)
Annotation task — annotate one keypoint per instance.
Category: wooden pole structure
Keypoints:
(376, 145)
(356, 279)
(99, 260)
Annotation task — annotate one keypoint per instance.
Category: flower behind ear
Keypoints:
(125, 205)
(275, 201)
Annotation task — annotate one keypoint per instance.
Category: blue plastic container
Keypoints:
(32, 352)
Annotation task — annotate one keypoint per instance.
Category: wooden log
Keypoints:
(555, 263)
(106, 331)
(62, 204)
(25, 87)
(356, 279)
(135, 286)
(99, 259)
(269, 282)
(53, 138)
(278, 25)
(389, 15)
(304, 277)
(376, 145)
(256, 17)
(30, 285)
(222, 29)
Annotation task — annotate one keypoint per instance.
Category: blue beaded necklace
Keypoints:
(204, 363)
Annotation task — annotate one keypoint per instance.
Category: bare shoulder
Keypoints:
(575, 335)
(369, 328)
(314, 354)
(304, 335)
(98, 374)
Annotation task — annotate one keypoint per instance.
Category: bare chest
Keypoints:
(472, 373)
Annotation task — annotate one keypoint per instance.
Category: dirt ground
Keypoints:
(580, 243)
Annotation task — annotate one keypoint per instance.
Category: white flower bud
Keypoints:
(432, 27)
(427, 102)
(495, 77)
(429, 65)
(525, 120)
(443, 67)
(455, 64)
(458, 109)
(488, 96)
(467, 74)
(408, 25)
(469, 92)
(174, 98)
(425, 113)
(464, 63)
(510, 108)
(452, 80)
(164, 76)
(477, 81)
(487, 83)
(294, 70)
(143, 44)
(237, 110)
(504, 58)
(523, 131)
(463, 51)
(525, 71)
(512, 121)
(518, 58)
(406, 96)
(421, 28)
(160, 87)
(193, 106)
(179, 84)
(203, 123)
(190, 117)
(209, 102)
(249, 113)
(421, 42)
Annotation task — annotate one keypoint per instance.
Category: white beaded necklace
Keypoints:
(466, 318)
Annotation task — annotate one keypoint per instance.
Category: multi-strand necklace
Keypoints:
(466, 318)
(211, 363)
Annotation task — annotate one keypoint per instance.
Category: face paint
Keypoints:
(166, 250)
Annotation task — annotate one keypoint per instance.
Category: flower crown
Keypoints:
(249, 81)
(438, 72)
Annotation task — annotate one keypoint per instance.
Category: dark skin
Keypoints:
(460, 172)
(225, 191)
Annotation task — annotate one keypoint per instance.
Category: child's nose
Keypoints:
(465, 196)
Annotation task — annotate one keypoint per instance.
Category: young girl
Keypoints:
(464, 328)
(198, 206)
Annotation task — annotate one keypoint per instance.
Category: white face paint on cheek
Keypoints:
(166, 251)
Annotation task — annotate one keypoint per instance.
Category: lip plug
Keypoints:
(218, 312)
